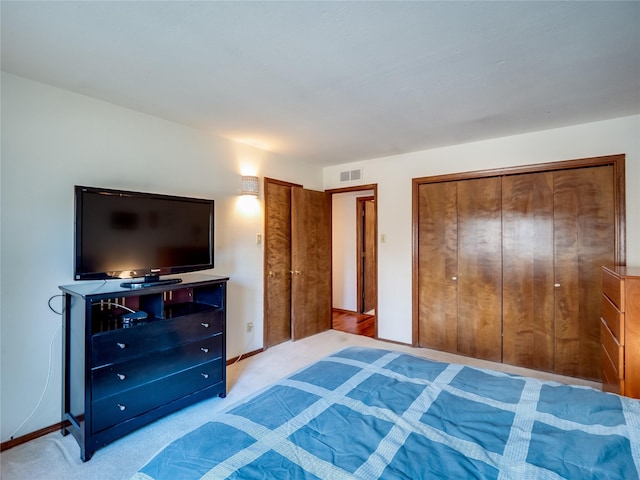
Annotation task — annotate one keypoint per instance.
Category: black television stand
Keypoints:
(119, 374)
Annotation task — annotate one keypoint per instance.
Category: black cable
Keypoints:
(53, 309)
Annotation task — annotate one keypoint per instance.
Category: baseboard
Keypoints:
(395, 342)
(342, 310)
(244, 355)
(14, 442)
(351, 312)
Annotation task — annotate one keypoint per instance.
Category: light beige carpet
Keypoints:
(56, 457)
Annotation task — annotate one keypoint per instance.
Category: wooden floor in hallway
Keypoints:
(352, 322)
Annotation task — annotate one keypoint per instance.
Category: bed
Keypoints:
(371, 413)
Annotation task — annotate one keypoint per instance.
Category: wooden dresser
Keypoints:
(620, 330)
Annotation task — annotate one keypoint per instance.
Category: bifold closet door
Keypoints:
(480, 268)
(558, 232)
(460, 267)
(509, 267)
(438, 266)
(528, 270)
(310, 262)
(584, 240)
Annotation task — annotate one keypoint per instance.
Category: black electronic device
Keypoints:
(134, 316)
(128, 235)
(130, 318)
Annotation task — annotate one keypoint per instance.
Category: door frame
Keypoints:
(619, 213)
(359, 188)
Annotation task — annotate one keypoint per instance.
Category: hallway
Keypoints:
(351, 322)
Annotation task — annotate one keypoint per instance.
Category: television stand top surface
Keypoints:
(150, 283)
(96, 288)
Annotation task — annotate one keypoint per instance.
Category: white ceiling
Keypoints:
(335, 82)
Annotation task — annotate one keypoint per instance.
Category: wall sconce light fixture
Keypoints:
(249, 186)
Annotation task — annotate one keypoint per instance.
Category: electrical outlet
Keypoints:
(249, 327)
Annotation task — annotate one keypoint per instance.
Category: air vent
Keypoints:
(351, 175)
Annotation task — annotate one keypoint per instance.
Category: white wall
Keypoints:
(53, 139)
(393, 176)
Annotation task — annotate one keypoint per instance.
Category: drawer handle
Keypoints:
(204, 349)
(121, 376)
(205, 325)
(122, 345)
(205, 375)
(121, 407)
(557, 285)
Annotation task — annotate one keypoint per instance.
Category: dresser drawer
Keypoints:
(614, 319)
(123, 406)
(612, 349)
(126, 343)
(111, 379)
(610, 381)
(612, 287)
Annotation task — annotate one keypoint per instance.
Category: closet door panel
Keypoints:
(527, 253)
(584, 241)
(480, 268)
(437, 247)
(277, 246)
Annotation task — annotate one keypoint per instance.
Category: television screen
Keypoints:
(121, 234)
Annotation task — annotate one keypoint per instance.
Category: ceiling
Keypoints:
(335, 82)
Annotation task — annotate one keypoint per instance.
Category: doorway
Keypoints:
(354, 260)
(299, 220)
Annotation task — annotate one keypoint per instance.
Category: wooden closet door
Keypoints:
(438, 266)
(527, 270)
(584, 240)
(277, 252)
(480, 268)
(311, 262)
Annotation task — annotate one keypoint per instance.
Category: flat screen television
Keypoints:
(140, 236)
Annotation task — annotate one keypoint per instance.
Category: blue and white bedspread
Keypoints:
(364, 413)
